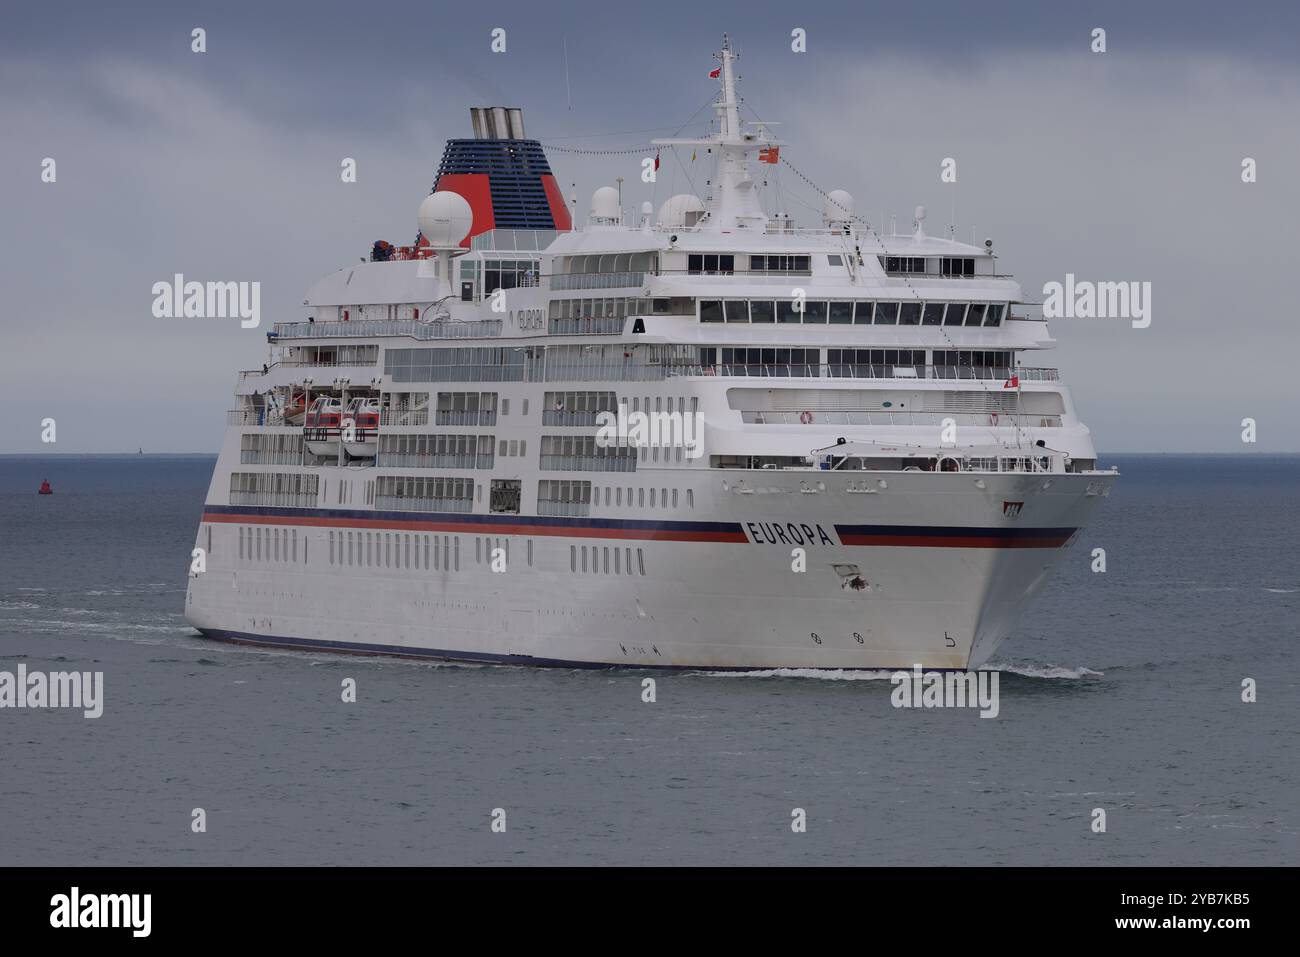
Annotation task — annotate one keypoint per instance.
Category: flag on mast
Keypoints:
(713, 75)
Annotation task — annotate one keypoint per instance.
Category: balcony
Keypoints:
(410, 328)
(811, 371)
(589, 326)
(981, 419)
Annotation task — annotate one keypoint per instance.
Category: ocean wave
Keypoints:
(1045, 671)
(18, 606)
(821, 674)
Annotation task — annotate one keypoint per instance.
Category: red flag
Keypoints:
(656, 162)
(1012, 383)
(715, 74)
(770, 154)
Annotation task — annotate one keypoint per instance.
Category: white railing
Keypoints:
(588, 463)
(462, 417)
(463, 460)
(588, 326)
(597, 280)
(282, 499)
(404, 417)
(413, 328)
(821, 417)
(568, 509)
(404, 503)
(863, 371)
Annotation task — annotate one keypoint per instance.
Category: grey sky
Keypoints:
(1119, 166)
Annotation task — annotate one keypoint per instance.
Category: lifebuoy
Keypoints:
(805, 417)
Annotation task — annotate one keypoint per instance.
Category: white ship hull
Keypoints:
(946, 574)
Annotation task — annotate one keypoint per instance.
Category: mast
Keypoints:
(734, 203)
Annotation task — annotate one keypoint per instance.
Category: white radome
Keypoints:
(604, 203)
(445, 219)
(673, 212)
(838, 206)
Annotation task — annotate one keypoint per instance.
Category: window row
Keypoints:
(582, 453)
(843, 312)
(450, 451)
(508, 274)
(394, 550)
(606, 263)
(992, 358)
(270, 544)
(609, 307)
(938, 265)
(434, 493)
(289, 489)
(265, 448)
(464, 364)
(641, 497)
(600, 560)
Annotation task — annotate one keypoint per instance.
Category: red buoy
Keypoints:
(45, 488)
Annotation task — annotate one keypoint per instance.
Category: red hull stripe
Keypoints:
(895, 536)
(922, 536)
(483, 524)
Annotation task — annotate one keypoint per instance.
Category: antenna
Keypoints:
(568, 93)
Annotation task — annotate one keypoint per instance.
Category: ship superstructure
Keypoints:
(865, 464)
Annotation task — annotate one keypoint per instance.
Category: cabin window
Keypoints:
(886, 313)
(814, 312)
(710, 310)
(909, 314)
(975, 314)
(956, 312)
(762, 311)
(841, 312)
(933, 315)
(994, 316)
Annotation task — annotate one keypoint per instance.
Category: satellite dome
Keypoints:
(837, 207)
(647, 209)
(677, 210)
(445, 219)
(604, 204)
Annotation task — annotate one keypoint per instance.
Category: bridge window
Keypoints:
(910, 314)
(956, 266)
(737, 310)
(841, 312)
(762, 311)
(956, 311)
(886, 314)
(710, 310)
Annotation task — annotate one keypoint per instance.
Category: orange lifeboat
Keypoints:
(362, 440)
(321, 425)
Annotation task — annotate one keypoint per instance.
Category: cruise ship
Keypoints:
(698, 437)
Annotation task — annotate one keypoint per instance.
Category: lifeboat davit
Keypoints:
(296, 409)
(45, 488)
(320, 428)
(360, 429)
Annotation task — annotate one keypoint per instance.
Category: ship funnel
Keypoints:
(497, 122)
